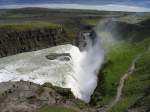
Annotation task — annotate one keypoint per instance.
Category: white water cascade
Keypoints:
(79, 73)
(86, 66)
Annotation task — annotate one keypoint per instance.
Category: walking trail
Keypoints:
(121, 85)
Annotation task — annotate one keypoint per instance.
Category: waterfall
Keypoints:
(64, 66)
(86, 66)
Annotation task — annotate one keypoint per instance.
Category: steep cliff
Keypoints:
(28, 97)
(123, 30)
(23, 37)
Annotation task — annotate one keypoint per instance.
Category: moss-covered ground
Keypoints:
(136, 85)
(56, 109)
(119, 59)
(90, 22)
(29, 26)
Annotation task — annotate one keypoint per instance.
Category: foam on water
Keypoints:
(35, 67)
(79, 74)
(86, 66)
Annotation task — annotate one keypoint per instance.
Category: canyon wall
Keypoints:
(18, 41)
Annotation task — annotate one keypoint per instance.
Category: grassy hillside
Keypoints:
(29, 26)
(56, 109)
(119, 59)
(31, 29)
(136, 88)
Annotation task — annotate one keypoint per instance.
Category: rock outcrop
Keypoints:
(59, 56)
(28, 97)
(13, 41)
(129, 31)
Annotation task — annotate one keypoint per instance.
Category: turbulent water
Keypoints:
(86, 66)
(77, 71)
(35, 67)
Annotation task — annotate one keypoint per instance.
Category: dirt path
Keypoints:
(121, 85)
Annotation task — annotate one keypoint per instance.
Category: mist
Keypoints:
(88, 62)
(86, 66)
(80, 72)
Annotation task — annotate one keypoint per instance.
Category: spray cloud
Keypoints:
(79, 74)
(86, 65)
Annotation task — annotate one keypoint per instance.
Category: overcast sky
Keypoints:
(123, 5)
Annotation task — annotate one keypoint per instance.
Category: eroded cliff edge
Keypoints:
(16, 39)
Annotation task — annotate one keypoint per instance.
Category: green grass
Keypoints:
(29, 26)
(123, 104)
(136, 84)
(55, 109)
(71, 34)
(91, 22)
(119, 59)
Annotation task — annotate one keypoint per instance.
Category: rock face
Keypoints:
(13, 42)
(59, 56)
(142, 105)
(28, 97)
(81, 40)
(131, 32)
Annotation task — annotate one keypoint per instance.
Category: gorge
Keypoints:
(79, 73)
(81, 60)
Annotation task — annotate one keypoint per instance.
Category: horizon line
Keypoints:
(107, 7)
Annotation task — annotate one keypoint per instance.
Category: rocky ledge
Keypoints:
(59, 56)
(18, 41)
(28, 97)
